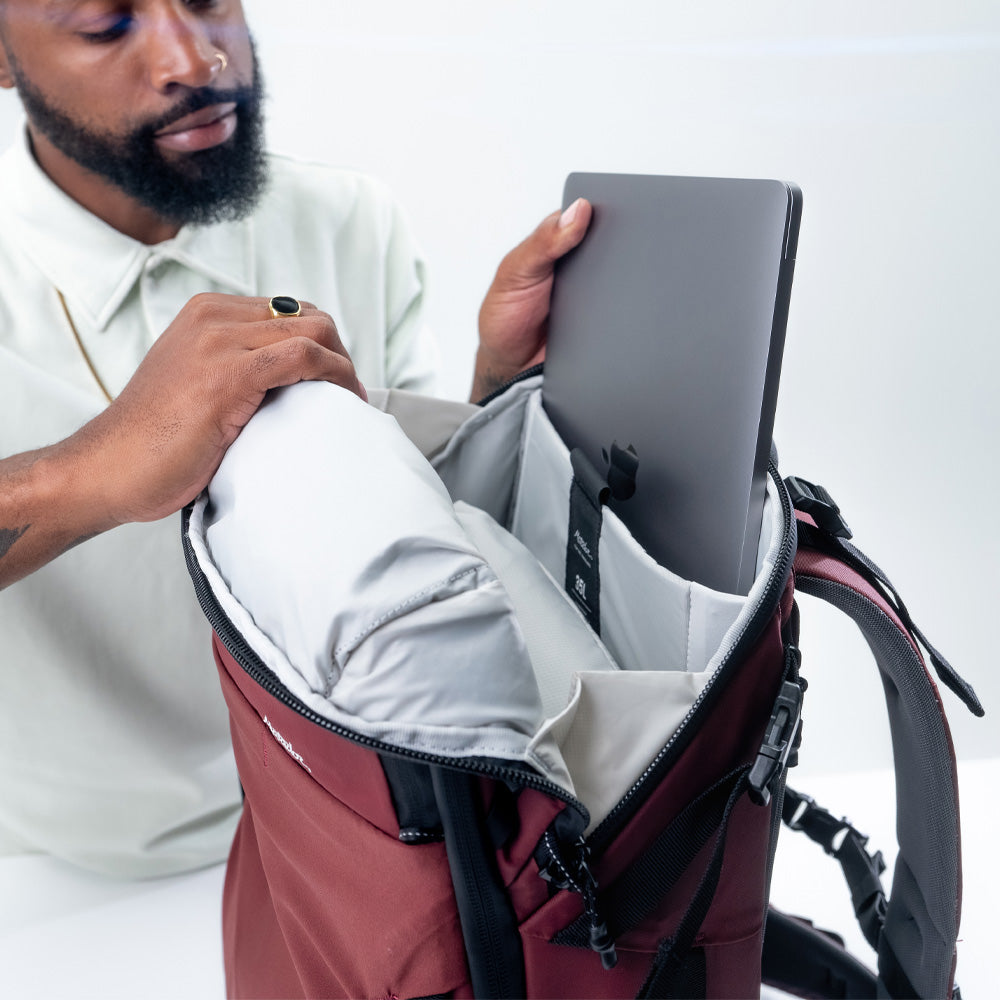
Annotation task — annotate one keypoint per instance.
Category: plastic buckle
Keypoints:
(804, 804)
(819, 505)
(779, 741)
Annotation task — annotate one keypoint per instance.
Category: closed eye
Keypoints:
(115, 30)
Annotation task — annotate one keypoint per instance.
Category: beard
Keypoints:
(211, 185)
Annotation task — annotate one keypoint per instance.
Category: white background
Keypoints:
(886, 115)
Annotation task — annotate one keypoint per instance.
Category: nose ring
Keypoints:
(223, 61)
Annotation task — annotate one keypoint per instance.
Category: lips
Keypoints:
(201, 129)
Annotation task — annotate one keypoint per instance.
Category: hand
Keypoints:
(513, 320)
(159, 443)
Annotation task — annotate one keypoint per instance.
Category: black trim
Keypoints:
(651, 875)
(822, 541)
(412, 792)
(519, 377)
(489, 924)
(588, 493)
(670, 966)
(842, 841)
(802, 960)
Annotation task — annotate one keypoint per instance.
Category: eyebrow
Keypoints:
(58, 9)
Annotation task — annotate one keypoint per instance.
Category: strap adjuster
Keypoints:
(819, 505)
(779, 742)
(842, 840)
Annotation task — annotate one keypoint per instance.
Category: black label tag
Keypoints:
(583, 576)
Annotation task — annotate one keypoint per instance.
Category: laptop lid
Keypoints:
(666, 333)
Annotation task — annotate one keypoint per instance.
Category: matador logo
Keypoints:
(288, 746)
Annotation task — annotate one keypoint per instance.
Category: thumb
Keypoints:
(532, 260)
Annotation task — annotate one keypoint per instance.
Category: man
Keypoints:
(139, 184)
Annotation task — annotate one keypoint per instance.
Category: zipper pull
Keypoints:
(601, 940)
(576, 876)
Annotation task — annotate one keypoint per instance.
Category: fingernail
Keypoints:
(364, 391)
(566, 219)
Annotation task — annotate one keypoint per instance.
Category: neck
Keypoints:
(100, 197)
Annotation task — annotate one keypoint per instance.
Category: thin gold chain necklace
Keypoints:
(83, 350)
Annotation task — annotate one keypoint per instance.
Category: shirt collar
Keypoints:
(94, 264)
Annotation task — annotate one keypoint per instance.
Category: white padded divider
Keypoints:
(340, 559)
(559, 641)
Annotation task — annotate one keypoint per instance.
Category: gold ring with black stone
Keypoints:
(284, 306)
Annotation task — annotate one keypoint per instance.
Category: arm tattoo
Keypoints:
(8, 536)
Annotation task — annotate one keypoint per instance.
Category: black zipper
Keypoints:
(519, 377)
(609, 827)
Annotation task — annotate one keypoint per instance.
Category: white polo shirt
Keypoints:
(114, 740)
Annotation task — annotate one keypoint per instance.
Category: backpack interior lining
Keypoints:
(306, 557)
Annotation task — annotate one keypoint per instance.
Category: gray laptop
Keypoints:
(666, 334)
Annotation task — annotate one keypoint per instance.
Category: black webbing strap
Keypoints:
(823, 541)
(489, 925)
(588, 494)
(642, 886)
(673, 968)
(637, 891)
(804, 961)
(844, 842)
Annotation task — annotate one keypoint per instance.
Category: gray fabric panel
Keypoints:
(428, 422)
(922, 922)
(480, 464)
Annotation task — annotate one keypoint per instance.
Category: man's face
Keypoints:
(136, 94)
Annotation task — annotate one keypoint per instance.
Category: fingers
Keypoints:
(533, 259)
(209, 306)
(316, 325)
(271, 352)
(300, 359)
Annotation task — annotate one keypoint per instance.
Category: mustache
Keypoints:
(203, 97)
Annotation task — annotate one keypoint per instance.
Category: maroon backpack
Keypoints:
(372, 861)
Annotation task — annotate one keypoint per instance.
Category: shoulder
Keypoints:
(306, 191)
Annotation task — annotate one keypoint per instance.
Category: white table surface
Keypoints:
(67, 933)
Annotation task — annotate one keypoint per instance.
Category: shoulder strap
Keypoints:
(916, 944)
(804, 961)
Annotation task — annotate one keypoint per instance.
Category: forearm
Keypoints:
(488, 376)
(159, 443)
(48, 504)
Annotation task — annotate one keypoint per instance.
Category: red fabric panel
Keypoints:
(323, 900)
(536, 811)
(557, 971)
(319, 902)
(732, 932)
(346, 770)
(256, 966)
